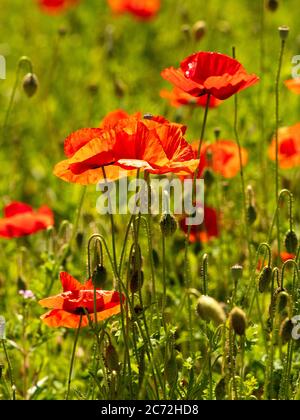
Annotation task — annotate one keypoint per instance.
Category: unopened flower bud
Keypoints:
(99, 276)
(238, 321)
(168, 225)
(136, 281)
(220, 389)
(112, 358)
(209, 309)
(291, 242)
(30, 84)
(171, 370)
(251, 214)
(286, 330)
(265, 279)
(272, 5)
(199, 30)
(282, 301)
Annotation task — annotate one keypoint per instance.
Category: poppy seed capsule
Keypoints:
(136, 281)
(199, 30)
(272, 5)
(112, 358)
(282, 301)
(237, 273)
(284, 32)
(286, 330)
(291, 242)
(168, 225)
(209, 309)
(238, 321)
(265, 279)
(30, 84)
(99, 276)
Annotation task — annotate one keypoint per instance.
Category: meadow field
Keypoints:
(143, 306)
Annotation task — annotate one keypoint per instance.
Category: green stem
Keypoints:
(73, 358)
(10, 371)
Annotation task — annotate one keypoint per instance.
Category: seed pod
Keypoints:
(209, 309)
(291, 242)
(284, 32)
(237, 273)
(2, 327)
(286, 330)
(282, 301)
(136, 281)
(199, 30)
(30, 84)
(171, 370)
(168, 225)
(251, 214)
(272, 5)
(99, 276)
(112, 358)
(238, 321)
(265, 279)
(209, 177)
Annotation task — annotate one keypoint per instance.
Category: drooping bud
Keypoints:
(282, 301)
(199, 30)
(168, 225)
(112, 358)
(220, 389)
(99, 276)
(286, 330)
(272, 5)
(136, 281)
(208, 177)
(30, 84)
(171, 370)
(284, 32)
(209, 309)
(238, 321)
(265, 279)
(291, 242)
(251, 214)
(2, 327)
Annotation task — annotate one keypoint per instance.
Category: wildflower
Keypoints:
(210, 310)
(293, 85)
(141, 9)
(205, 232)
(289, 147)
(55, 6)
(20, 220)
(151, 144)
(210, 72)
(27, 294)
(76, 299)
(178, 97)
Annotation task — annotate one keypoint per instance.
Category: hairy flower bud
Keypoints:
(291, 242)
(238, 321)
(265, 279)
(168, 225)
(199, 30)
(30, 84)
(209, 309)
(99, 276)
(286, 330)
(112, 358)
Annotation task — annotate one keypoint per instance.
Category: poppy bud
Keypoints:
(209, 309)
(238, 321)
(251, 215)
(286, 330)
(282, 301)
(217, 132)
(2, 328)
(291, 242)
(284, 32)
(136, 281)
(30, 84)
(1, 369)
(168, 225)
(79, 239)
(272, 5)
(171, 370)
(199, 30)
(112, 358)
(186, 30)
(136, 259)
(265, 279)
(209, 178)
(99, 276)
(237, 273)
(220, 389)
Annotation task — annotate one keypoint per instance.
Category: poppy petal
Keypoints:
(16, 207)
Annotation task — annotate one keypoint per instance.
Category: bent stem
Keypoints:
(73, 358)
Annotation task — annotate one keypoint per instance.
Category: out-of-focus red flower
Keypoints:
(177, 97)
(208, 230)
(221, 157)
(293, 85)
(289, 147)
(210, 73)
(76, 298)
(56, 6)
(141, 9)
(20, 220)
(285, 256)
(153, 144)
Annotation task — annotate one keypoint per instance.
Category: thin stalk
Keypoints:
(10, 371)
(73, 358)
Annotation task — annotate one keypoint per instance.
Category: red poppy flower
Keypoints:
(142, 9)
(154, 145)
(221, 157)
(56, 6)
(20, 220)
(209, 72)
(293, 85)
(178, 97)
(113, 118)
(285, 256)
(76, 298)
(289, 147)
(208, 230)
